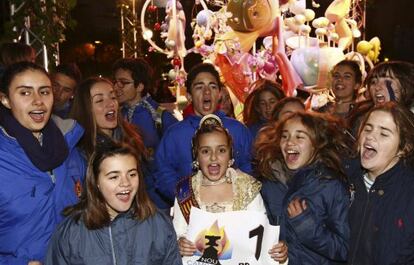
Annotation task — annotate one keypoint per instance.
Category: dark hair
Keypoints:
(71, 70)
(201, 68)
(15, 69)
(81, 111)
(399, 70)
(251, 113)
(326, 135)
(209, 124)
(404, 120)
(141, 72)
(355, 68)
(14, 52)
(92, 206)
(282, 103)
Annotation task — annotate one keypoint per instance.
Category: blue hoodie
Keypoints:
(30, 202)
(173, 158)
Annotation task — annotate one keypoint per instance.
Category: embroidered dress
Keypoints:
(246, 196)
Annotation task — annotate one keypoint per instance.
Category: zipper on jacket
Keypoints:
(112, 246)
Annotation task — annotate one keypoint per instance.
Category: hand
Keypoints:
(279, 252)
(296, 207)
(34, 262)
(187, 248)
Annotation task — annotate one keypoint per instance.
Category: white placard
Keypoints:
(240, 238)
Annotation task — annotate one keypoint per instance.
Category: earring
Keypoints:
(231, 162)
(196, 165)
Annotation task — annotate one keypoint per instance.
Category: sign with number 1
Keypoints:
(231, 238)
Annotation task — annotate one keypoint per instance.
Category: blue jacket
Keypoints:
(320, 234)
(174, 156)
(273, 192)
(125, 242)
(255, 127)
(30, 203)
(382, 220)
(143, 119)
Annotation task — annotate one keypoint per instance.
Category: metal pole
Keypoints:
(134, 30)
(123, 31)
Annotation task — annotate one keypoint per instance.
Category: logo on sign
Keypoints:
(213, 245)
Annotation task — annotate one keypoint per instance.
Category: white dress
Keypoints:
(246, 196)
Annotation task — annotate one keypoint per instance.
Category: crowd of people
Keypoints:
(90, 168)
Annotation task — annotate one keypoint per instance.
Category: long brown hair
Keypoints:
(82, 112)
(92, 206)
(326, 135)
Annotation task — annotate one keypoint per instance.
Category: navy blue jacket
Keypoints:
(126, 241)
(174, 156)
(273, 192)
(320, 234)
(382, 220)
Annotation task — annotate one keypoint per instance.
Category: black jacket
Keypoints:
(382, 220)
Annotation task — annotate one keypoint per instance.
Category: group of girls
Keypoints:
(42, 172)
(334, 204)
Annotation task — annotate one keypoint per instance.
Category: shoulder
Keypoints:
(246, 189)
(68, 231)
(65, 125)
(160, 222)
(69, 128)
(230, 122)
(184, 126)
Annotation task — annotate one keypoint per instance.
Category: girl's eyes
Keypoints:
(25, 93)
(212, 86)
(223, 150)
(45, 91)
(367, 129)
(204, 151)
(113, 177)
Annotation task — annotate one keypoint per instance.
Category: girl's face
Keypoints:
(30, 100)
(267, 103)
(344, 85)
(379, 143)
(384, 89)
(118, 182)
(213, 155)
(104, 107)
(290, 108)
(296, 145)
